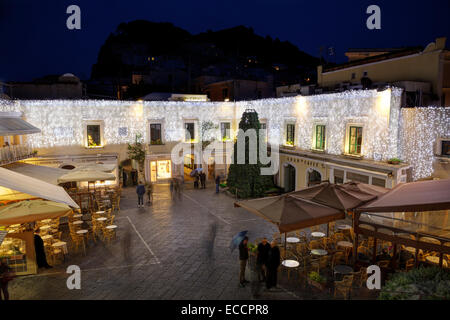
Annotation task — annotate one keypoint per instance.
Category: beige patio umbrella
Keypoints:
(96, 167)
(86, 175)
(31, 210)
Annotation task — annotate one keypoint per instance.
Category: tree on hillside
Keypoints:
(246, 180)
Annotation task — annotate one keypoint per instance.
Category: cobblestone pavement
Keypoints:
(164, 251)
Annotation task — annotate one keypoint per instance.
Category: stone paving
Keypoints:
(165, 251)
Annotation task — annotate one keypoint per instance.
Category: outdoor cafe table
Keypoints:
(345, 244)
(46, 221)
(62, 245)
(46, 227)
(290, 263)
(77, 222)
(82, 232)
(113, 226)
(77, 215)
(47, 237)
(102, 219)
(318, 234)
(342, 270)
(14, 226)
(319, 252)
(293, 240)
(344, 227)
(100, 212)
(411, 250)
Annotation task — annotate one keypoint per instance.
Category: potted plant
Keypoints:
(394, 161)
(316, 280)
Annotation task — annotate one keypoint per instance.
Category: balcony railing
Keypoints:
(15, 153)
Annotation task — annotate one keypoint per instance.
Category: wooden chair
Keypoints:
(343, 287)
(338, 258)
(410, 264)
(78, 242)
(315, 244)
(320, 264)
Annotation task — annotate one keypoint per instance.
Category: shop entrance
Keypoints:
(160, 170)
(289, 178)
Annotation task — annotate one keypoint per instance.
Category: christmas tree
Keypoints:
(246, 180)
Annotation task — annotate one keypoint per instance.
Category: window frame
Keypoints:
(323, 137)
(287, 141)
(195, 130)
(230, 137)
(355, 145)
(98, 123)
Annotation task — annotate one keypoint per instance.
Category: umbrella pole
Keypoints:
(285, 243)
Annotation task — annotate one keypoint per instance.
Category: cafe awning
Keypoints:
(413, 197)
(340, 197)
(47, 174)
(290, 213)
(13, 125)
(30, 211)
(14, 182)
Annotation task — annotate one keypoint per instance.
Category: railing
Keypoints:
(14, 153)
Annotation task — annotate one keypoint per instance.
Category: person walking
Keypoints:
(172, 187)
(6, 275)
(196, 180)
(243, 258)
(149, 193)
(262, 258)
(273, 262)
(140, 190)
(217, 183)
(203, 180)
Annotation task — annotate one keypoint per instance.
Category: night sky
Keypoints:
(34, 40)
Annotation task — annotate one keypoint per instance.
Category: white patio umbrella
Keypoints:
(96, 167)
(86, 175)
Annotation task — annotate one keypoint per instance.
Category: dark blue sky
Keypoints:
(34, 40)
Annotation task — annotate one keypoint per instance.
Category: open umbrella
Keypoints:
(32, 210)
(86, 175)
(237, 239)
(96, 167)
(335, 196)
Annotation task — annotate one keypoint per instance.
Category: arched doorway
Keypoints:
(314, 177)
(289, 178)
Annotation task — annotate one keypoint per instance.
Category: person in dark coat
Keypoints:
(217, 183)
(140, 190)
(41, 259)
(6, 276)
(196, 180)
(203, 180)
(273, 262)
(243, 258)
(261, 259)
(125, 178)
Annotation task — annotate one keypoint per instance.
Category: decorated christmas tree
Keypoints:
(245, 179)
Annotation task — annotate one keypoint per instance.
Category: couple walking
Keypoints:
(268, 260)
(200, 178)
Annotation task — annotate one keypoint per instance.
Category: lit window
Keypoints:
(225, 131)
(355, 140)
(94, 139)
(155, 134)
(189, 132)
(320, 137)
(290, 134)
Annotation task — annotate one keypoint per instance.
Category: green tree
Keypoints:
(246, 180)
(136, 151)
